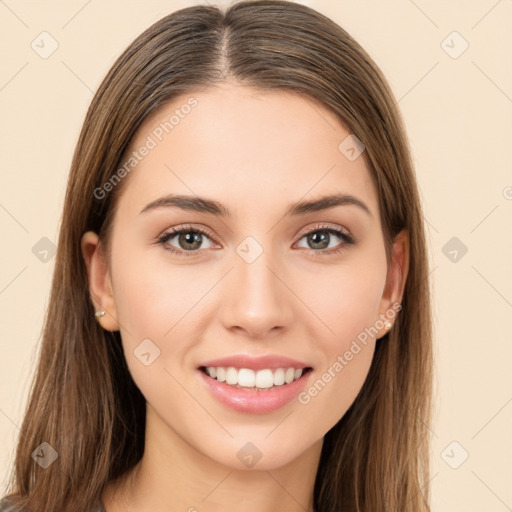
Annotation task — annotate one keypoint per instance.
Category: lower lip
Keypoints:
(255, 401)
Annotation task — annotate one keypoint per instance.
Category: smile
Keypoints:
(253, 399)
(249, 379)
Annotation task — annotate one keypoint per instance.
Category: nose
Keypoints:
(258, 301)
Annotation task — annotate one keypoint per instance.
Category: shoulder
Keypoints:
(7, 506)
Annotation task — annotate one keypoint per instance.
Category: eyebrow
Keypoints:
(210, 206)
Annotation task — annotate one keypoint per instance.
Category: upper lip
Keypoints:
(256, 363)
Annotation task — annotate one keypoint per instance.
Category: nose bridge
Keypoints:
(257, 300)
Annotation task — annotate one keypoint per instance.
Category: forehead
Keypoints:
(239, 144)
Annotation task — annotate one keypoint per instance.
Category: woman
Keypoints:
(241, 297)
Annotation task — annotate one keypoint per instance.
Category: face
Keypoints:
(261, 279)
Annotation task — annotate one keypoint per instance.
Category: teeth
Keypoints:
(264, 379)
(231, 376)
(247, 378)
(221, 373)
(279, 377)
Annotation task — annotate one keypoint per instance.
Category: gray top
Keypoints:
(5, 506)
(98, 507)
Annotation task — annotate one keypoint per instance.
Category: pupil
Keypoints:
(190, 238)
(323, 236)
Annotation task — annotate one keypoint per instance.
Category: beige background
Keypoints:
(458, 113)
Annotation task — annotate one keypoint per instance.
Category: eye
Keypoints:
(320, 238)
(189, 240)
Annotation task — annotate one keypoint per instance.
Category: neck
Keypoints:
(173, 475)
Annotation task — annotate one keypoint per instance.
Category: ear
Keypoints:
(396, 277)
(100, 286)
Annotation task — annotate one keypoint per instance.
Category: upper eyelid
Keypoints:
(186, 228)
(321, 226)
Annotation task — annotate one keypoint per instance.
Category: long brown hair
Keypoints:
(83, 401)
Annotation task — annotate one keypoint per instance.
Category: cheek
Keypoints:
(153, 298)
(160, 303)
(347, 305)
(152, 310)
(345, 301)
(346, 360)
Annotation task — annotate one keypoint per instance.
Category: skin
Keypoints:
(256, 153)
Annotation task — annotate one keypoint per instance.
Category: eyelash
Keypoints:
(348, 239)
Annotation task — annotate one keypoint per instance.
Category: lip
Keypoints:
(255, 401)
(256, 363)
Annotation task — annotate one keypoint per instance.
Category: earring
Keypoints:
(99, 314)
(387, 325)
